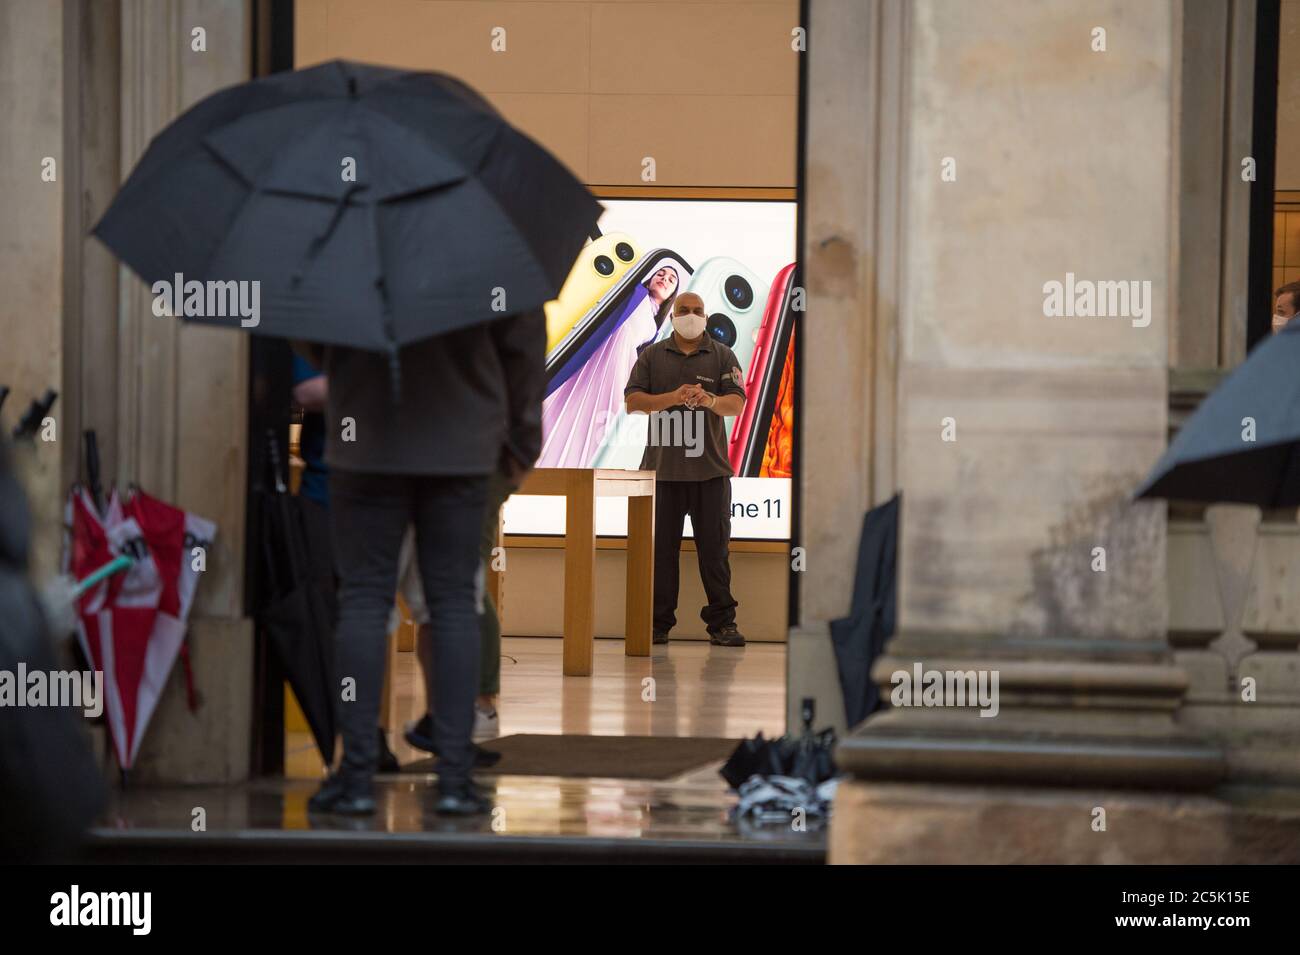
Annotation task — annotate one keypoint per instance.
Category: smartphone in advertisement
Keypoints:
(612, 309)
(598, 268)
(763, 377)
(778, 458)
(734, 301)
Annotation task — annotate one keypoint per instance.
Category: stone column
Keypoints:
(1021, 435)
(852, 252)
(1011, 145)
(182, 401)
(92, 82)
(32, 174)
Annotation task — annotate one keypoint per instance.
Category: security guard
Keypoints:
(688, 383)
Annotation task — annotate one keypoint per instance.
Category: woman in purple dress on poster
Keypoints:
(576, 416)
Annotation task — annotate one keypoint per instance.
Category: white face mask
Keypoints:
(689, 326)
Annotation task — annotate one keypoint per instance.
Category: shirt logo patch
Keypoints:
(704, 378)
(733, 375)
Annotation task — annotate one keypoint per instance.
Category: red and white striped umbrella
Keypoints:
(132, 625)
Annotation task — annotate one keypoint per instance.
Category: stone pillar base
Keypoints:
(1069, 717)
(925, 824)
(212, 744)
(1260, 738)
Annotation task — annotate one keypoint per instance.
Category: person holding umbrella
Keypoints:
(398, 223)
(473, 406)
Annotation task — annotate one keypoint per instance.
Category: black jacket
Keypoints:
(464, 399)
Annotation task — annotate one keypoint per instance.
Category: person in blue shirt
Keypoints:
(310, 392)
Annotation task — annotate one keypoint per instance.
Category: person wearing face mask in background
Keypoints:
(1286, 303)
(688, 383)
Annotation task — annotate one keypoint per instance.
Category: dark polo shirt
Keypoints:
(673, 441)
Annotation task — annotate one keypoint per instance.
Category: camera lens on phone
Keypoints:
(604, 265)
(624, 252)
(738, 292)
(721, 328)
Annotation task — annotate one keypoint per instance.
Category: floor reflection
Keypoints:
(684, 689)
(697, 690)
(692, 808)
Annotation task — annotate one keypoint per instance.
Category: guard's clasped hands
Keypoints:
(694, 396)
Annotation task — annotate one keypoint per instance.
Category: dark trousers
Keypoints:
(320, 554)
(709, 505)
(489, 680)
(370, 513)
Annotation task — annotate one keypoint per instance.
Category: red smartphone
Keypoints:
(778, 458)
(763, 380)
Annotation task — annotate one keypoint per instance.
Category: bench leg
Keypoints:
(579, 573)
(640, 575)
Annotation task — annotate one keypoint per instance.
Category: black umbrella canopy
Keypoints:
(373, 207)
(1213, 459)
(859, 638)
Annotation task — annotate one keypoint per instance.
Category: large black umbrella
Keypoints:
(291, 608)
(374, 207)
(1242, 445)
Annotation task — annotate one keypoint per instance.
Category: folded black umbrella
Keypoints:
(374, 207)
(1242, 445)
(860, 637)
(807, 756)
(292, 611)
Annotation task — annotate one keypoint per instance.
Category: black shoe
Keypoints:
(462, 800)
(344, 796)
(420, 735)
(387, 761)
(727, 636)
(659, 636)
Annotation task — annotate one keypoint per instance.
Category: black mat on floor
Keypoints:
(617, 757)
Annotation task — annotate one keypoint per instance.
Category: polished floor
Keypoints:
(568, 818)
(698, 690)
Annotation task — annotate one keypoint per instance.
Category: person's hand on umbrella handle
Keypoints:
(59, 602)
(61, 592)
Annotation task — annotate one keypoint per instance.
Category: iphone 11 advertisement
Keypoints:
(738, 256)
